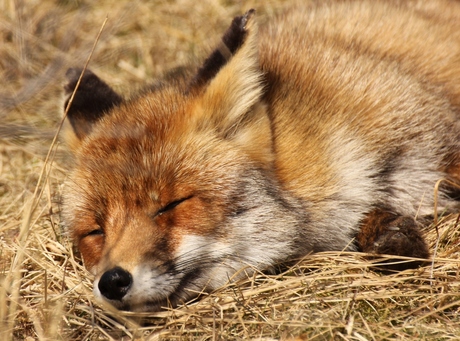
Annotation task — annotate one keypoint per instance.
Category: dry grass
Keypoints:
(45, 293)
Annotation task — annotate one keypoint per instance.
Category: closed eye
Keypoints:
(171, 205)
(95, 232)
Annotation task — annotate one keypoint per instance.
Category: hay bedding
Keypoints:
(45, 293)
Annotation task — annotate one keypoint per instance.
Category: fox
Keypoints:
(324, 129)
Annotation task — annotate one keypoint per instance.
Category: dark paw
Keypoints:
(402, 238)
(390, 234)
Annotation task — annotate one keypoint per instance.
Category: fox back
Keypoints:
(327, 129)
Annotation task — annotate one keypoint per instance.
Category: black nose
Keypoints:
(114, 283)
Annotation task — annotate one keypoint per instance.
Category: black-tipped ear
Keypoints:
(232, 40)
(93, 99)
(234, 85)
(230, 103)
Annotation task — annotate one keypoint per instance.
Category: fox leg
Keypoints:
(384, 232)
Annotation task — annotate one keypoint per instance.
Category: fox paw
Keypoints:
(383, 232)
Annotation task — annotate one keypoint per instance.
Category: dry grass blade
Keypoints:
(13, 279)
(45, 293)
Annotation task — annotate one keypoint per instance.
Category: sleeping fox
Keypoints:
(326, 129)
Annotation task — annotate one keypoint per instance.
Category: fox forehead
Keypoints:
(157, 117)
(135, 140)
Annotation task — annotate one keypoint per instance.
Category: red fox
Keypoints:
(326, 129)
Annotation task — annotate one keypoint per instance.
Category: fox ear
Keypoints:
(232, 87)
(231, 76)
(231, 42)
(93, 99)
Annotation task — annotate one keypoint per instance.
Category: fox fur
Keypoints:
(326, 129)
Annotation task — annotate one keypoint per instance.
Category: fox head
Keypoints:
(173, 191)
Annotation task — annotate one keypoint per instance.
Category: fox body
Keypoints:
(327, 129)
